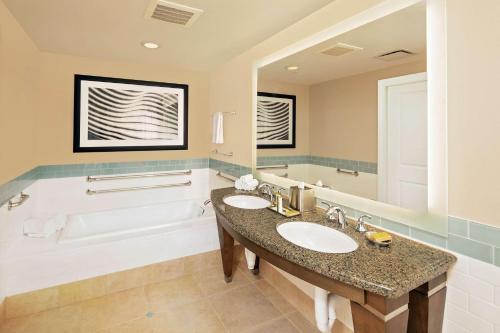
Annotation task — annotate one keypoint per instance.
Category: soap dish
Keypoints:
(287, 211)
(369, 235)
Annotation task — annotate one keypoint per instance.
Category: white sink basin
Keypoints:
(317, 237)
(246, 202)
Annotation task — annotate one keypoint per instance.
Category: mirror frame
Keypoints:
(435, 219)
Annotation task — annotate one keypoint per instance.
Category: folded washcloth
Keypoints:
(43, 228)
(247, 178)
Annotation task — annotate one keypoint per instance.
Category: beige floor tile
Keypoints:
(114, 309)
(82, 290)
(141, 325)
(32, 302)
(211, 281)
(132, 278)
(281, 325)
(167, 270)
(60, 320)
(196, 317)
(301, 323)
(201, 262)
(169, 294)
(275, 297)
(242, 308)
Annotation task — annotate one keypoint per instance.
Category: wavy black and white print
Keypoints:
(274, 121)
(126, 114)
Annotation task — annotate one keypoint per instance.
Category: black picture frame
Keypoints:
(78, 148)
(293, 100)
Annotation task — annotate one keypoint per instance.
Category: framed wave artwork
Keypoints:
(275, 120)
(113, 114)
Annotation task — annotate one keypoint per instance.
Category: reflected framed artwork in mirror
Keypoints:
(275, 120)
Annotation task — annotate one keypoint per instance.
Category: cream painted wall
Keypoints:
(474, 110)
(18, 83)
(343, 114)
(54, 143)
(302, 116)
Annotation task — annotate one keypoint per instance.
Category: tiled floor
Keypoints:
(194, 302)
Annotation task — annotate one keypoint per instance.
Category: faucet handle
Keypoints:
(360, 227)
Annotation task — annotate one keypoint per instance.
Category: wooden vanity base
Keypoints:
(420, 311)
(427, 306)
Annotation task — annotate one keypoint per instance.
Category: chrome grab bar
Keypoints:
(91, 179)
(216, 151)
(228, 177)
(278, 166)
(124, 189)
(349, 172)
(22, 199)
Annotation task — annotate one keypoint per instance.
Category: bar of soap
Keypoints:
(382, 237)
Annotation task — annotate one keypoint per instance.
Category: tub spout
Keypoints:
(324, 309)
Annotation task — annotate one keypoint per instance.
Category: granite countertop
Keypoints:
(391, 271)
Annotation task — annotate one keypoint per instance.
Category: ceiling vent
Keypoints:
(173, 13)
(395, 55)
(341, 49)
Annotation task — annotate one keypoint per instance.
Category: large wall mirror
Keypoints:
(356, 116)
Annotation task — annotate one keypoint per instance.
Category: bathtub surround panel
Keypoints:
(18, 184)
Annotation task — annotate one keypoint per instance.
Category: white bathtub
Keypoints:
(135, 221)
(104, 233)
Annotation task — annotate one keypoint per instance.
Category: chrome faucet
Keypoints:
(335, 213)
(266, 188)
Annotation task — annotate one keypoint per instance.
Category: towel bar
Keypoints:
(228, 177)
(138, 175)
(124, 189)
(22, 199)
(216, 151)
(278, 166)
(349, 172)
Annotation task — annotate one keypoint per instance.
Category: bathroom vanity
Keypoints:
(401, 288)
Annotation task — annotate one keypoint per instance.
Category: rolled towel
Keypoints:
(247, 178)
(251, 185)
(238, 184)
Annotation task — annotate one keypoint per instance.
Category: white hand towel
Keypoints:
(218, 128)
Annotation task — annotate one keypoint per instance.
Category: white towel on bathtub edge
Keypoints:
(218, 128)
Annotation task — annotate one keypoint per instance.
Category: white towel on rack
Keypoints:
(218, 128)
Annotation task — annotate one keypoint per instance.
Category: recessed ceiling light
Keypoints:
(292, 68)
(150, 45)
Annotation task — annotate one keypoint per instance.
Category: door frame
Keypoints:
(383, 143)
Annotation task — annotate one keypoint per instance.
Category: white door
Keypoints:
(406, 146)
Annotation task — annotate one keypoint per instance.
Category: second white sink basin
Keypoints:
(317, 237)
(246, 202)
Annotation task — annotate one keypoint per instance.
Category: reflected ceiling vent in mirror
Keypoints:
(341, 49)
(171, 12)
(395, 55)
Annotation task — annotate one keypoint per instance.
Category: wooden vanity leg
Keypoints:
(255, 269)
(226, 251)
(380, 314)
(427, 306)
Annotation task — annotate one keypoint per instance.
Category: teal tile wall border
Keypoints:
(331, 162)
(18, 184)
(234, 170)
(468, 238)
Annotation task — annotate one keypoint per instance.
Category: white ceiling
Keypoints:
(114, 29)
(402, 30)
